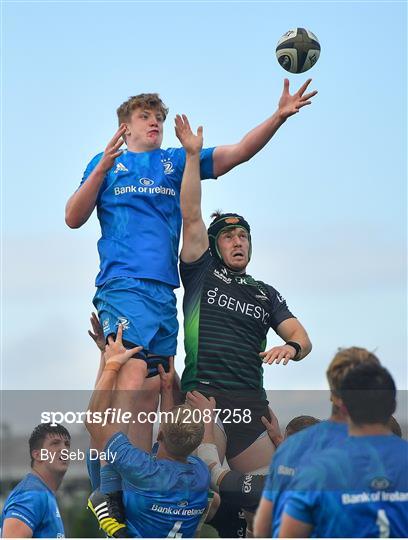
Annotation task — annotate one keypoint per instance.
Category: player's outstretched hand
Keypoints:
(196, 400)
(191, 143)
(277, 354)
(112, 151)
(97, 334)
(115, 350)
(167, 379)
(291, 104)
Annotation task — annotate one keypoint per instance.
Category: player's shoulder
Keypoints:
(31, 482)
(175, 153)
(30, 490)
(96, 159)
(200, 469)
(197, 463)
(311, 437)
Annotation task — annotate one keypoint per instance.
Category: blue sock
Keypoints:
(94, 469)
(110, 479)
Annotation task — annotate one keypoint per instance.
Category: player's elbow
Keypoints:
(72, 224)
(72, 219)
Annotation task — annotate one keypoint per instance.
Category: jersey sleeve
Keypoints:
(28, 507)
(128, 460)
(305, 493)
(280, 311)
(206, 161)
(90, 167)
(190, 272)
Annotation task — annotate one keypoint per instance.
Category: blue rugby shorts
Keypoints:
(145, 308)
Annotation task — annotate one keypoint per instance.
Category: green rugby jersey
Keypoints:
(226, 319)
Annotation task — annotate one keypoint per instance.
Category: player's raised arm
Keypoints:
(195, 238)
(227, 157)
(102, 397)
(81, 204)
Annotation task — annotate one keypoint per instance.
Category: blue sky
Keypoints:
(326, 198)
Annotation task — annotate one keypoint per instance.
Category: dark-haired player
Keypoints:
(301, 449)
(227, 315)
(360, 489)
(31, 509)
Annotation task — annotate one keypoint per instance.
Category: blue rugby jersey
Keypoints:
(162, 498)
(138, 207)
(33, 503)
(295, 452)
(359, 490)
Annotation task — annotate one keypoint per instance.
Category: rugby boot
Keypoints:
(108, 510)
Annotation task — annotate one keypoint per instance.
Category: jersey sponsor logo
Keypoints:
(170, 510)
(380, 483)
(160, 190)
(280, 298)
(241, 280)
(221, 276)
(57, 513)
(232, 304)
(146, 182)
(167, 166)
(182, 503)
(204, 382)
(120, 167)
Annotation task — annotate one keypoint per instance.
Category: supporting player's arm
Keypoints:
(195, 238)
(14, 528)
(263, 519)
(272, 428)
(81, 204)
(227, 157)
(207, 451)
(293, 528)
(293, 332)
(102, 397)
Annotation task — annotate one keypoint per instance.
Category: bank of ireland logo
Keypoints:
(146, 182)
(380, 483)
